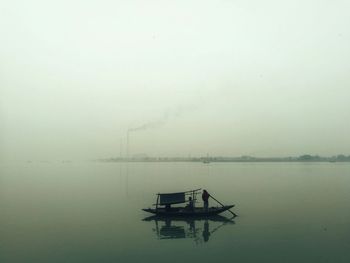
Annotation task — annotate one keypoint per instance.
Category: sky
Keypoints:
(224, 78)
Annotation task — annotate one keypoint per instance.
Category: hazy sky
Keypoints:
(264, 78)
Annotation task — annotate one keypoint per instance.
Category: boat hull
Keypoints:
(185, 212)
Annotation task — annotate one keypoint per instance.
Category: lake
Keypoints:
(91, 212)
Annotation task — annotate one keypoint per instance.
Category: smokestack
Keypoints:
(121, 149)
(127, 144)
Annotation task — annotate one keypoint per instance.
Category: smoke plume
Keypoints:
(169, 115)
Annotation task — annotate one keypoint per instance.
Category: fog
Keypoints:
(262, 78)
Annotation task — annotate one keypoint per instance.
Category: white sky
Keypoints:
(264, 78)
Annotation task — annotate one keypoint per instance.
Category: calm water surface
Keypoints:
(91, 212)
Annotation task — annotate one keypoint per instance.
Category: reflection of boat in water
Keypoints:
(180, 227)
(168, 199)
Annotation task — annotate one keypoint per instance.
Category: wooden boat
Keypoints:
(183, 211)
(206, 160)
(166, 200)
(214, 218)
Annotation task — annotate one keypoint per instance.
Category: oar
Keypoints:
(222, 205)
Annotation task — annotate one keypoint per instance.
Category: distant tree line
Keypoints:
(301, 158)
(336, 158)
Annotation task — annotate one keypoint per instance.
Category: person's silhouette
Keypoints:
(205, 198)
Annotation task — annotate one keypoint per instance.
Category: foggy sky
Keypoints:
(263, 78)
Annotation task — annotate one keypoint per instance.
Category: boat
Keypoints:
(163, 205)
(206, 160)
(214, 218)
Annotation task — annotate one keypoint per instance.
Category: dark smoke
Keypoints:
(171, 114)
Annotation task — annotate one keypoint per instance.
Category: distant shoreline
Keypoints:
(302, 158)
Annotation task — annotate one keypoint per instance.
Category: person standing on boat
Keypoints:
(190, 205)
(205, 198)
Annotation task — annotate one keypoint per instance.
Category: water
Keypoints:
(91, 212)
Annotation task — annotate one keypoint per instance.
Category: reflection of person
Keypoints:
(192, 227)
(206, 232)
(167, 222)
(205, 198)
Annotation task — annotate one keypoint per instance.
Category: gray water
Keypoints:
(91, 212)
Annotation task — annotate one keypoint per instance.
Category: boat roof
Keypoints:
(174, 198)
(185, 192)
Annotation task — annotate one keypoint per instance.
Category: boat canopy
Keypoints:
(168, 199)
(174, 198)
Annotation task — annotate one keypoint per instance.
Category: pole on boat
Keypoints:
(222, 205)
